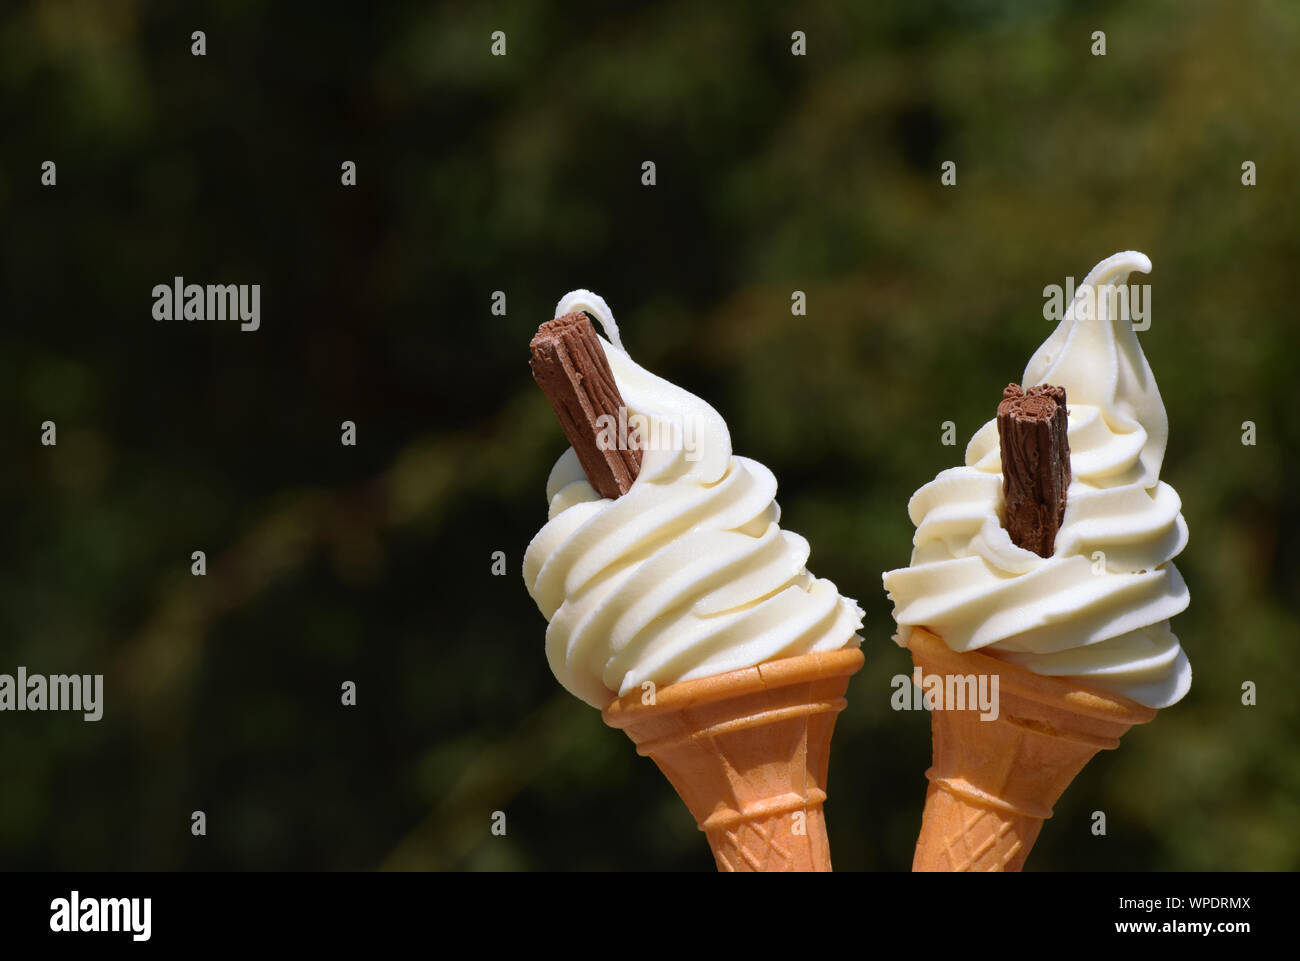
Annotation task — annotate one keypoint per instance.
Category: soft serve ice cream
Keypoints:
(1098, 609)
(686, 575)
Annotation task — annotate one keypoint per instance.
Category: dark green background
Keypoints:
(522, 174)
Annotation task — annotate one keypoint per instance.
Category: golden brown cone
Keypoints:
(747, 751)
(993, 783)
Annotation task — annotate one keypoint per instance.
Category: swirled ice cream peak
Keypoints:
(1099, 607)
(1099, 362)
(686, 575)
(685, 427)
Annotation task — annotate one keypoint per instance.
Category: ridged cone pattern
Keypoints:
(748, 752)
(993, 783)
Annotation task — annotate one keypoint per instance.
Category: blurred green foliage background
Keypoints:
(522, 174)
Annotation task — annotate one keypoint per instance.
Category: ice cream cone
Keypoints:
(747, 751)
(993, 783)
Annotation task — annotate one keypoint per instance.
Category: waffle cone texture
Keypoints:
(748, 752)
(993, 783)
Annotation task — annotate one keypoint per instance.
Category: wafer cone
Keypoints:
(993, 783)
(747, 751)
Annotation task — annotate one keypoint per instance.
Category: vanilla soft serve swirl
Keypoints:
(1099, 607)
(686, 575)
